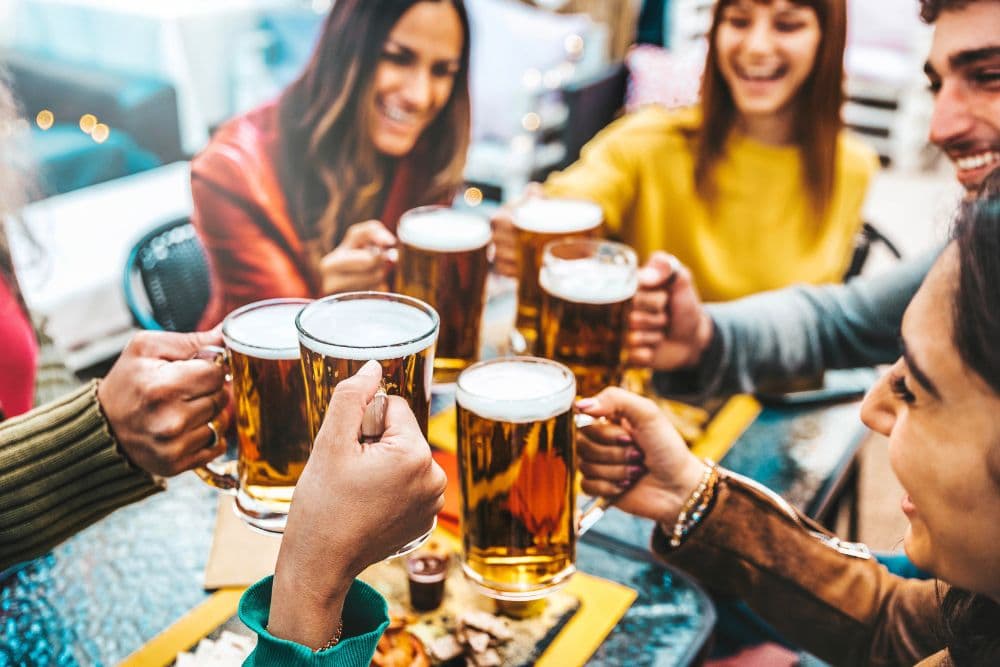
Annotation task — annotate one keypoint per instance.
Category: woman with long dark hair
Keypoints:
(300, 196)
(757, 187)
(937, 406)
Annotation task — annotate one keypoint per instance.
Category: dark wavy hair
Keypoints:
(931, 9)
(818, 121)
(334, 175)
(972, 621)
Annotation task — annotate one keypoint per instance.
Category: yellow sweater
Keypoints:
(759, 233)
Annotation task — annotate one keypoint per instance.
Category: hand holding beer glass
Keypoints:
(587, 288)
(338, 334)
(443, 260)
(517, 473)
(272, 432)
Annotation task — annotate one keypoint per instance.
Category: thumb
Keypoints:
(617, 404)
(660, 269)
(347, 406)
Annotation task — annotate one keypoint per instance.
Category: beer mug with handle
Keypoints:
(517, 474)
(338, 334)
(444, 260)
(539, 221)
(273, 438)
(587, 289)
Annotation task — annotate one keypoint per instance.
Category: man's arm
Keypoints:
(799, 331)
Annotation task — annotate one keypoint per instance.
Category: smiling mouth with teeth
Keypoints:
(761, 74)
(977, 161)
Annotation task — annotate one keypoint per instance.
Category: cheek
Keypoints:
(802, 53)
(442, 93)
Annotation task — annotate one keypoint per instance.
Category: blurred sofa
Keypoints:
(140, 112)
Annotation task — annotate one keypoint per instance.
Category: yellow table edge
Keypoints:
(727, 426)
(188, 630)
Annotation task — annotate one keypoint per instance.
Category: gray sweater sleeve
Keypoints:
(799, 331)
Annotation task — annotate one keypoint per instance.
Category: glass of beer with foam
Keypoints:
(339, 333)
(517, 471)
(443, 260)
(273, 437)
(587, 288)
(540, 221)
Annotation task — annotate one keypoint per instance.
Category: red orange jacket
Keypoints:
(242, 216)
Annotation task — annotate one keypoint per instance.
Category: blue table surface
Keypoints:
(108, 590)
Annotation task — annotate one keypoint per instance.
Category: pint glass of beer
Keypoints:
(517, 471)
(587, 288)
(443, 261)
(273, 435)
(538, 222)
(339, 333)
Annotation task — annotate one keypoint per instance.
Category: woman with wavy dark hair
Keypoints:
(757, 187)
(937, 406)
(300, 196)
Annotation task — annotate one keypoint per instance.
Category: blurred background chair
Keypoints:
(166, 279)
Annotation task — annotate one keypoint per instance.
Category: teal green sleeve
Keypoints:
(366, 617)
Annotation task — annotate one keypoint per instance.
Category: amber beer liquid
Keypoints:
(339, 333)
(538, 222)
(517, 466)
(273, 434)
(443, 261)
(587, 290)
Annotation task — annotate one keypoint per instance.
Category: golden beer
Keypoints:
(517, 466)
(273, 435)
(443, 261)
(538, 222)
(587, 289)
(339, 333)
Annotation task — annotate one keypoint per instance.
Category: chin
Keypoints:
(917, 550)
(394, 147)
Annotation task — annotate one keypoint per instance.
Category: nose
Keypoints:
(952, 117)
(759, 39)
(877, 410)
(418, 90)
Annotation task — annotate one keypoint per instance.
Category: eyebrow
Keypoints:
(965, 58)
(407, 50)
(919, 374)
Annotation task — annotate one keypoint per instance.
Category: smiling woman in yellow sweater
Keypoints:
(757, 187)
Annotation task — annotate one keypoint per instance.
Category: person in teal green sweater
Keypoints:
(355, 504)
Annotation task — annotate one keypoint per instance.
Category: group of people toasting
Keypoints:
(339, 272)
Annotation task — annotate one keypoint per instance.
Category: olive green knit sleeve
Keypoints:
(60, 471)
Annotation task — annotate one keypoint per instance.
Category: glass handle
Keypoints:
(220, 472)
(597, 507)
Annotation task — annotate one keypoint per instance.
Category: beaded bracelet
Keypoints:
(333, 640)
(697, 504)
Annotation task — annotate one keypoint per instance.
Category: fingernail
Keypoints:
(635, 455)
(625, 439)
(649, 275)
(372, 368)
(635, 472)
(586, 403)
(624, 484)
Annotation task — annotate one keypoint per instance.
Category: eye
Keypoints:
(986, 78)
(898, 385)
(934, 86)
(788, 26)
(445, 69)
(736, 20)
(397, 57)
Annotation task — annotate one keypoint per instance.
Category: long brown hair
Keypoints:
(16, 170)
(332, 171)
(972, 620)
(817, 122)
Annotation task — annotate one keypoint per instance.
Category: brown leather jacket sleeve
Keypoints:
(828, 596)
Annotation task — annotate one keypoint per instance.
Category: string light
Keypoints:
(473, 196)
(45, 119)
(101, 133)
(531, 121)
(88, 122)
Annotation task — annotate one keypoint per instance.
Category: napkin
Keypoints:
(240, 556)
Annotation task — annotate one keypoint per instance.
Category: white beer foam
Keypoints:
(444, 230)
(363, 329)
(590, 281)
(516, 391)
(557, 216)
(267, 332)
